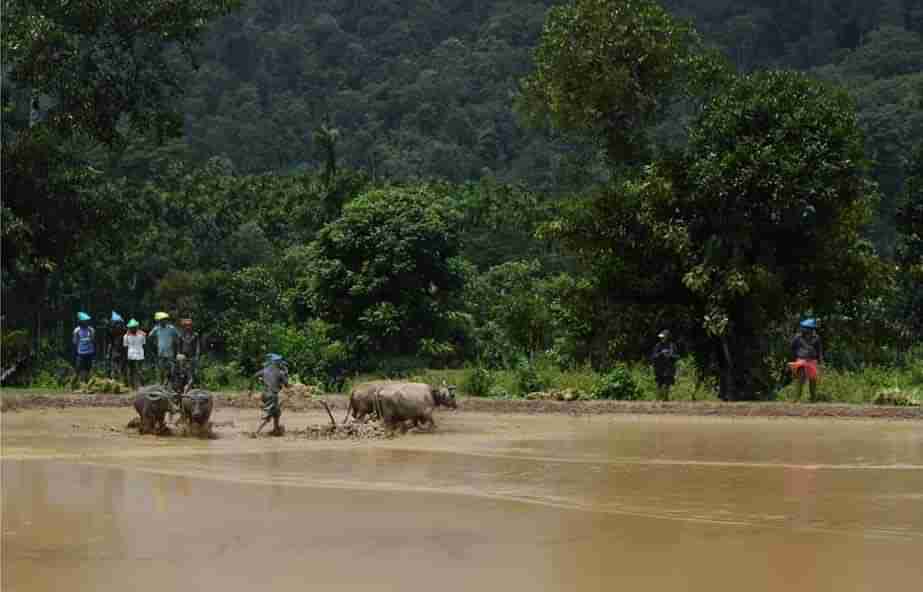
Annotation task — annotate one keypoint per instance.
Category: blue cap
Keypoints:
(274, 358)
(83, 317)
(117, 318)
(809, 323)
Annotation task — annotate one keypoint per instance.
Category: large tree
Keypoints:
(78, 78)
(774, 202)
(388, 269)
(757, 220)
(910, 248)
(607, 68)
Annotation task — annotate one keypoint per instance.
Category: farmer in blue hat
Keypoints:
(808, 352)
(84, 340)
(274, 376)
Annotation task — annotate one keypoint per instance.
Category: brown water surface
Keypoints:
(489, 502)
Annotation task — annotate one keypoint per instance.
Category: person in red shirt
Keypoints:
(808, 352)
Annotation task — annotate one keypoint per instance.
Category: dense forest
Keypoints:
(423, 90)
(400, 183)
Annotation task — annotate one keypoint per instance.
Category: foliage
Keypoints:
(513, 296)
(479, 382)
(386, 271)
(909, 308)
(528, 378)
(217, 376)
(98, 385)
(896, 397)
(617, 384)
(499, 392)
(794, 178)
(14, 346)
(301, 185)
(605, 68)
(756, 221)
(78, 77)
(313, 352)
(98, 62)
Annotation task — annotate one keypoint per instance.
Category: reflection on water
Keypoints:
(549, 503)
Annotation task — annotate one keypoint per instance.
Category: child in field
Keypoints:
(274, 376)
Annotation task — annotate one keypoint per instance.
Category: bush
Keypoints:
(400, 366)
(309, 349)
(499, 392)
(312, 352)
(896, 397)
(527, 378)
(14, 346)
(915, 372)
(617, 384)
(479, 382)
(219, 376)
(100, 385)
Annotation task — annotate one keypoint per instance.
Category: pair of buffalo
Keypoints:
(153, 403)
(396, 403)
(399, 403)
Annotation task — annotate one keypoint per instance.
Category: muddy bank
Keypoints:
(13, 400)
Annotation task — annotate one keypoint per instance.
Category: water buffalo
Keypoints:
(197, 409)
(152, 404)
(412, 402)
(362, 400)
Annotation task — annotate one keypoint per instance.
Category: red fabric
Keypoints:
(810, 368)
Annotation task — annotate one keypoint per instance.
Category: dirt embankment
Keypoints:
(27, 400)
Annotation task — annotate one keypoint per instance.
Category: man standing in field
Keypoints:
(808, 353)
(274, 376)
(167, 337)
(115, 347)
(190, 346)
(664, 359)
(84, 339)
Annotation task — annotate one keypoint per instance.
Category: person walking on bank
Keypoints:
(134, 343)
(664, 359)
(167, 337)
(84, 339)
(274, 376)
(808, 352)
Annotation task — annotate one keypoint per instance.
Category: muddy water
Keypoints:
(515, 503)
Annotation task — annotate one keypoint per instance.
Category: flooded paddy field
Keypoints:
(490, 501)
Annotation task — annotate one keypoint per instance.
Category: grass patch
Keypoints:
(857, 387)
(503, 384)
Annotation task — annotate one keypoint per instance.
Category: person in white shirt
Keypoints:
(134, 341)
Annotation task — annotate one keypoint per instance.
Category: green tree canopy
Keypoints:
(82, 75)
(910, 248)
(96, 62)
(387, 270)
(757, 220)
(606, 68)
